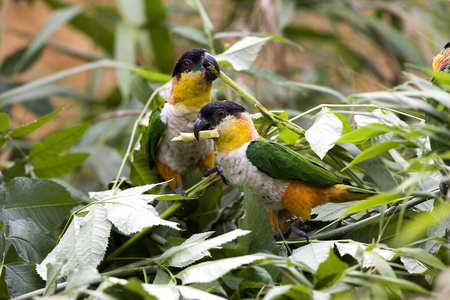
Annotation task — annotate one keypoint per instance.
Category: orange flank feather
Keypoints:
(207, 162)
(300, 197)
(441, 60)
(167, 173)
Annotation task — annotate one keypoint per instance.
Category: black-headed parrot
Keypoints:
(288, 184)
(191, 89)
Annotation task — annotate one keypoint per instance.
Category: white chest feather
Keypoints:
(238, 170)
(182, 157)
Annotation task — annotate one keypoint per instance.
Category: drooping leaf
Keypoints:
(373, 201)
(196, 247)
(327, 128)
(242, 54)
(363, 133)
(82, 245)
(9, 65)
(329, 271)
(212, 270)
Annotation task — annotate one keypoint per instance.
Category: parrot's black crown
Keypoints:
(230, 108)
(447, 45)
(190, 61)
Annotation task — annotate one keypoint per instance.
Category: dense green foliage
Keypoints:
(312, 61)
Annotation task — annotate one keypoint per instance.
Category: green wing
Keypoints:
(153, 135)
(283, 163)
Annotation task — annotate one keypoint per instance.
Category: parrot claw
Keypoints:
(217, 169)
(443, 188)
(297, 227)
(180, 191)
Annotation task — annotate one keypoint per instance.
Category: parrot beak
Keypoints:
(207, 61)
(199, 125)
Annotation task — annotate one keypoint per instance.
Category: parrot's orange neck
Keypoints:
(182, 93)
(234, 132)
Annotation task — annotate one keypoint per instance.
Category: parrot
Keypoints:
(192, 82)
(441, 63)
(288, 184)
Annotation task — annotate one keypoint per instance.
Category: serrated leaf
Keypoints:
(363, 133)
(242, 54)
(213, 270)
(373, 201)
(43, 201)
(174, 292)
(58, 18)
(373, 151)
(4, 122)
(196, 247)
(30, 127)
(57, 142)
(21, 278)
(59, 165)
(83, 244)
(327, 128)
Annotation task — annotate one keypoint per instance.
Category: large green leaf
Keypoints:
(363, 133)
(43, 201)
(4, 122)
(329, 271)
(21, 278)
(57, 142)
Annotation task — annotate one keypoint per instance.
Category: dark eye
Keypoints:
(186, 63)
(220, 114)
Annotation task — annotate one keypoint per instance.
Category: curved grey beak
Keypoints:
(199, 125)
(207, 61)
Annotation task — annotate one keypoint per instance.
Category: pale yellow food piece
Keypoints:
(203, 135)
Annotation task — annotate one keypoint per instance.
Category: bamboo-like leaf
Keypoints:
(423, 256)
(59, 165)
(30, 127)
(363, 133)
(373, 201)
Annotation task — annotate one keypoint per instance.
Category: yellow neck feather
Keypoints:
(190, 90)
(441, 60)
(235, 132)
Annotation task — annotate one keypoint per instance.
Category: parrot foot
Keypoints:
(297, 227)
(217, 169)
(180, 191)
(443, 188)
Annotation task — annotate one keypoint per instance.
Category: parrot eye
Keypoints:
(187, 63)
(220, 114)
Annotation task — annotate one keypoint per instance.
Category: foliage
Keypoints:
(135, 240)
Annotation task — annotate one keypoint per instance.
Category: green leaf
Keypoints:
(4, 122)
(242, 54)
(21, 278)
(208, 26)
(256, 220)
(196, 247)
(423, 256)
(53, 274)
(30, 127)
(329, 271)
(373, 151)
(58, 18)
(31, 241)
(152, 76)
(9, 66)
(191, 33)
(327, 128)
(44, 202)
(373, 201)
(140, 173)
(59, 165)
(213, 270)
(57, 142)
(208, 210)
(363, 133)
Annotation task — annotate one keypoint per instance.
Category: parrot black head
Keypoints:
(195, 60)
(214, 113)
